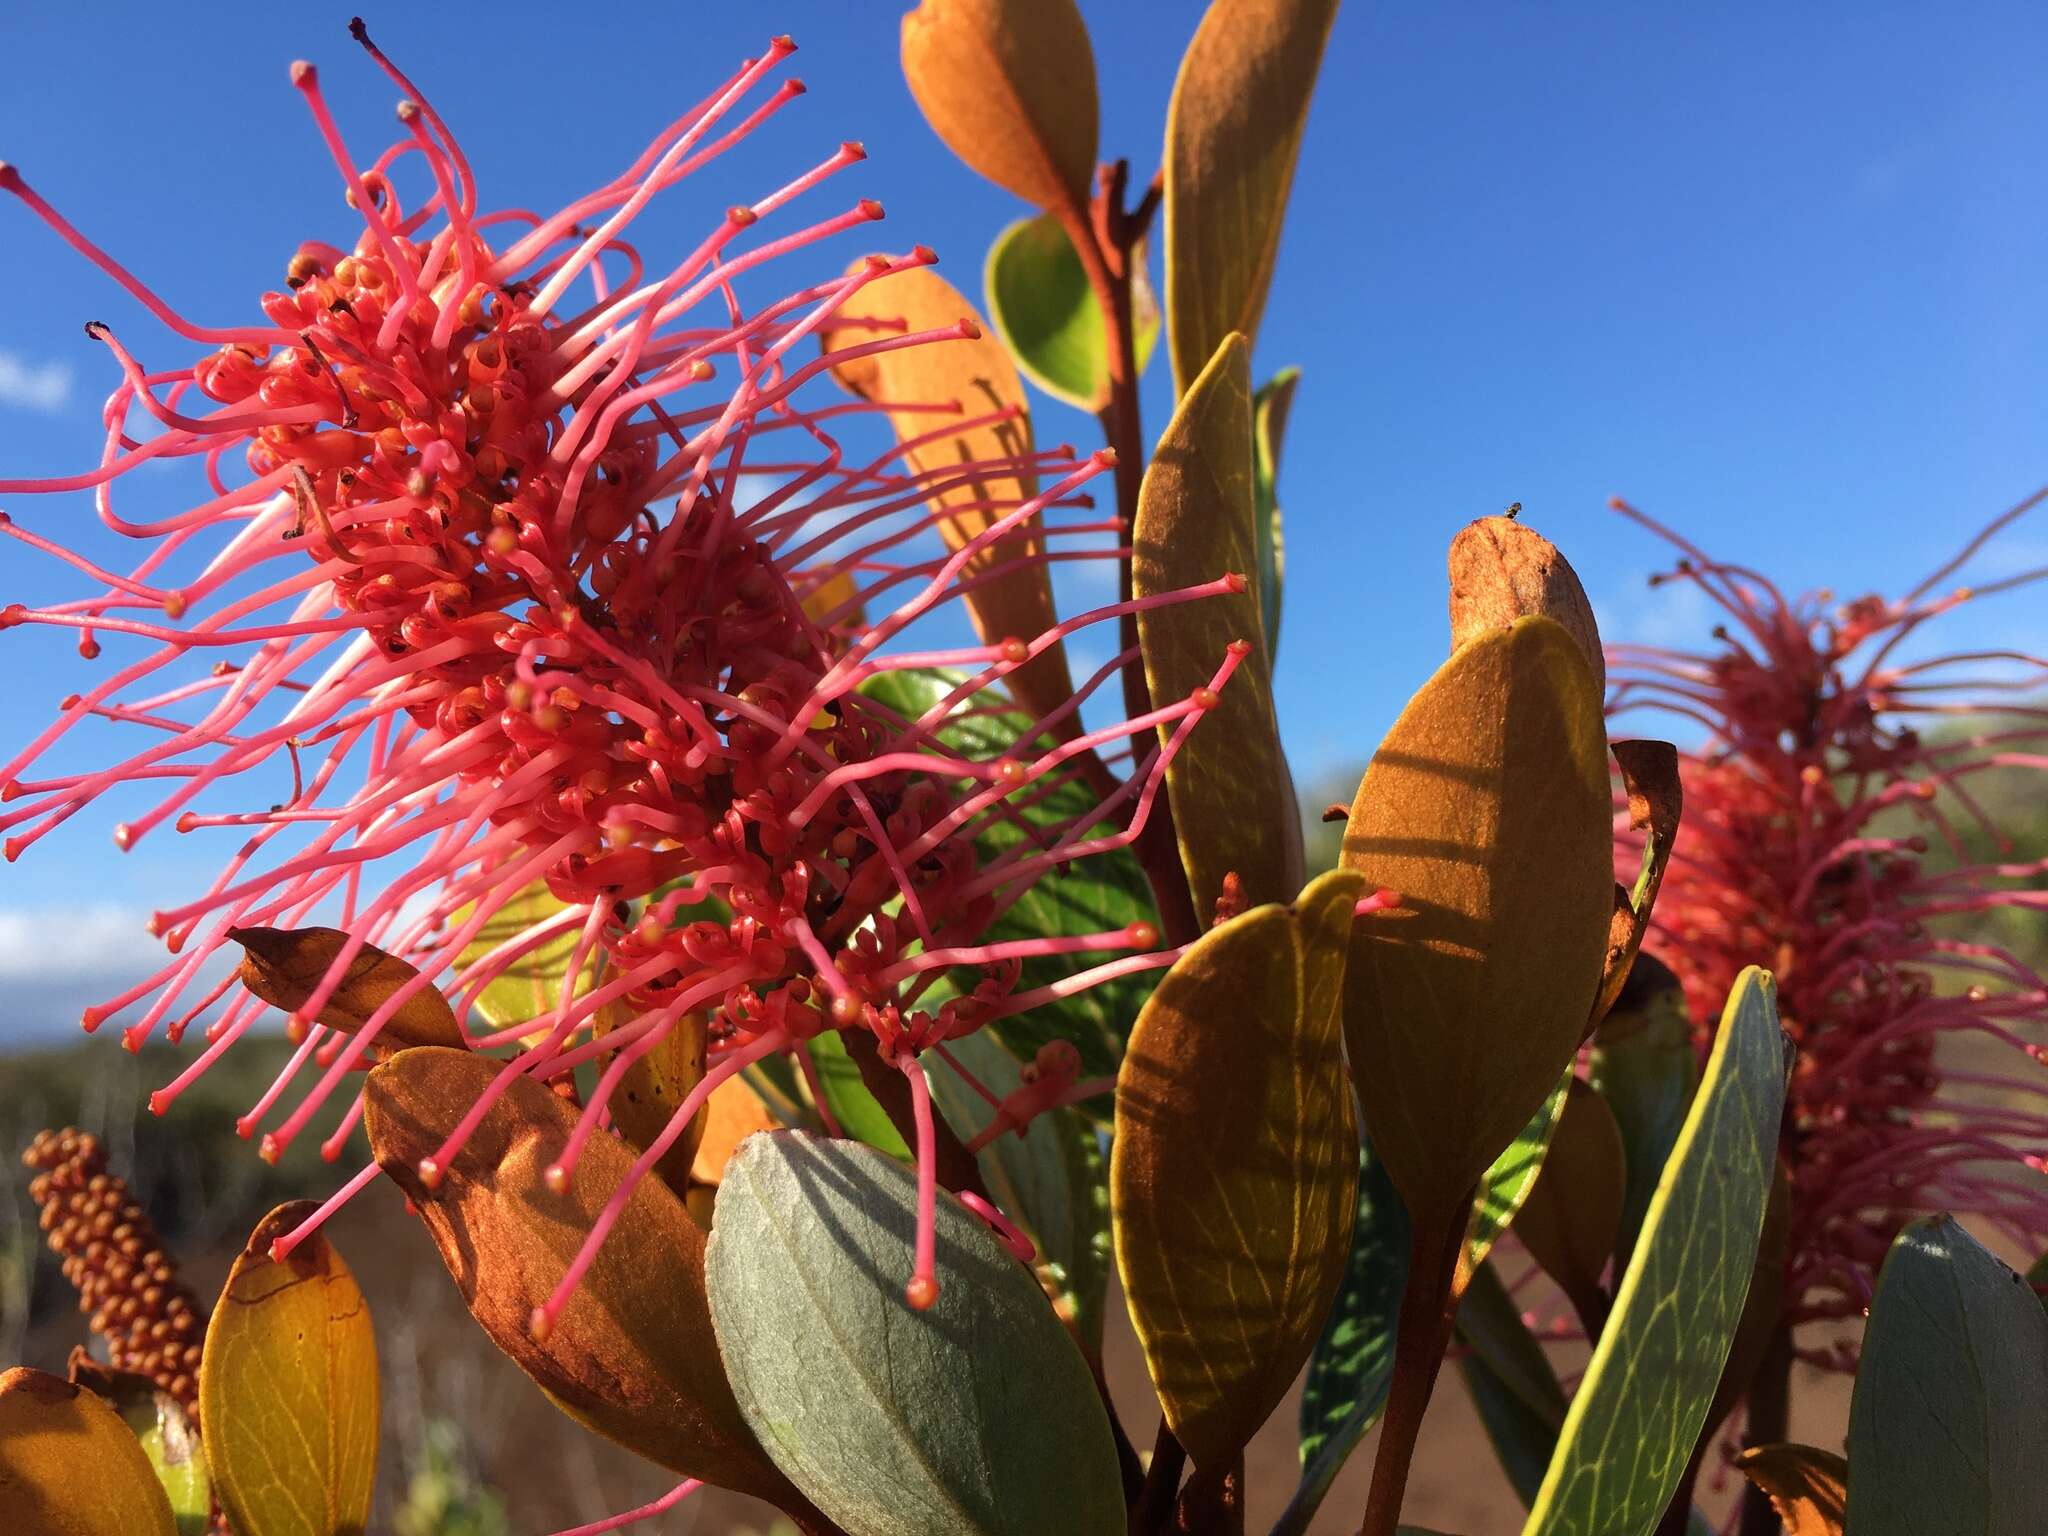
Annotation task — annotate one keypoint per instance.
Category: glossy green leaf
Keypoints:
(1508, 1182)
(632, 1355)
(1270, 407)
(1643, 1064)
(1232, 797)
(288, 1388)
(165, 1432)
(1046, 312)
(977, 1416)
(1638, 1411)
(1098, 894)
(1950, 1417)
(1053, 1180)
(1233, 130)
(1487, 808)
(1353, 1362)
(530, 989)
(857, 1112)
(70, 1467)
(1513, 1386)
(1233, 1172)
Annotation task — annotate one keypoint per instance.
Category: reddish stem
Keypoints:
(1423, 1333)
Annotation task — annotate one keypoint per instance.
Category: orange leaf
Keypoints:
(1010, 86)
(1808, 1487)
(734, 1113)
(979, 377)
(632, 1356)
(283, 966)
(69, 1466)
(653, 1089)
(1656, 798)
(1501, 570)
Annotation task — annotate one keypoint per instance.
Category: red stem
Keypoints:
(1423, 1333)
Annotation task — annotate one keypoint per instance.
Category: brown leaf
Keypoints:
(979, 375)
(1487, 809)
(288, 1388)
(283, 966)
(653, 1089)
(69, 1466)
(1233, 131)
(1572, 1215)
(1656, 798)
(1232, 796)
(1010, 86)
(1234, 1170)
(1808, 1487)
(1502, 570)
(632, 1356)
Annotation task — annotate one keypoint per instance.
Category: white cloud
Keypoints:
(57, 961)
(27, 386)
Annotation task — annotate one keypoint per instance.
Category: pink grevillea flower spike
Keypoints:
(1836, 810)
(521, 562)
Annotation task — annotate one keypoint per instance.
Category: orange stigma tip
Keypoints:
(869, 208)
(278, 1250)
(124, 837)
(174, 605)
(245, 1127)
(91, 1020)
(540, 1325)
(429, 1172)
(854, 149)
(1015, 651)
(187, 822)
(408, 111)
(740, 217)
(1106, 457)
(968, 330)
(556, 1177)
(921, 1293)
(1010, 771)
(846, 1009)
(296, 1029)
(11, 790)
(304, 75)
(131, 1041)
(159, 1102)
(1141, 936)
(1236, 582)
(923, 254)
(270, 1150)
(702, 370)
(1205, 698)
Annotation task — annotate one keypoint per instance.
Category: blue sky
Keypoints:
(1772, 273)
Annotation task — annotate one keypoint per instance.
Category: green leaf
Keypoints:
(1644, 1066)
(69, 1466)
(288, 1388)
(1232, 797)
(165, 1432)
(1353, 1363)
(1233, 129)
(1270, 407)
(1098, 894)
(1638, 1411)
(859, 1113)
(1053, 1180)
(1508, 1182)
(1046, 312)
(529, 990)
(978, 1415)
(1511, 1381)
(1233, 1179)
(2037, 1277)
(1950, 1415)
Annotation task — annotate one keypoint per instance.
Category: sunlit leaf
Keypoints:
(978, 375)
(1807, 1486)
(1638, 1410)
(529, 990)
(1233, 130)
(1353, 1361)
(284, 966)
(1950, 1411)
(1508, 1182)
(1232, 797)
(632, 1355)
(69, 1466)
(165, 1432)
(1486, 808)
(1649, 772)
(976, 1417)
(734, 1112)
(1644, 1067)
(1512, 1382)
(1270, 408)
(1048, 316)
(1053, 1180)
(1233, 1174)
(855, 1110)
(288, 1387)
(1010, 86)
(1572, 1217)
(1501, 570)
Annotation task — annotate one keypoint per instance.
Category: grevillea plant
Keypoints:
(662, 811)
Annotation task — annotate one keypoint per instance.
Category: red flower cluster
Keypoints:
(1826, 813)
(543, 571)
